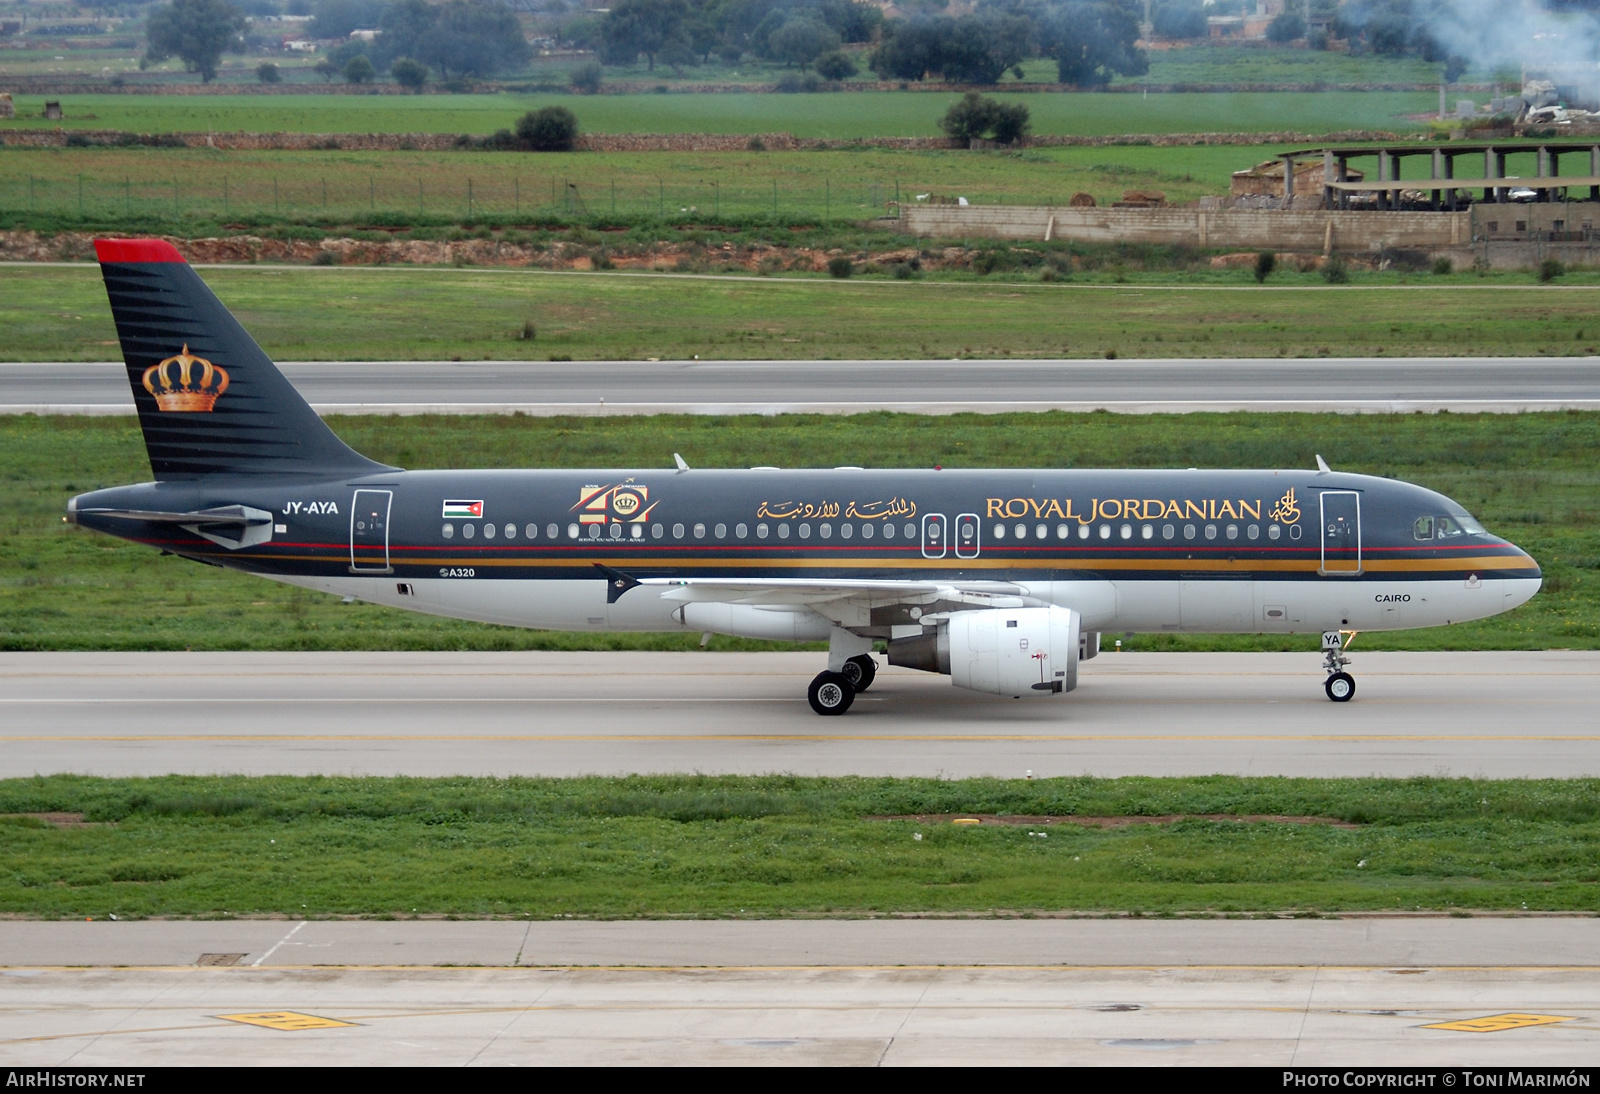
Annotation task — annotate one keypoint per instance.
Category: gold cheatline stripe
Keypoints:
(1215, 565)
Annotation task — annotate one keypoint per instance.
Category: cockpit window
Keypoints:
(1423, 529)
(1447, 528)
(1470, 526)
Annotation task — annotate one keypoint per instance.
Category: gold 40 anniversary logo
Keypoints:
(622, 503)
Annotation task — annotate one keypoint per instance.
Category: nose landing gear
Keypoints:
(1340, 685)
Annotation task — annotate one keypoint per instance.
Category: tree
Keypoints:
(1286, 27)
(802, 40)
(197, 32)
(633, 27)
(973, 117)
(337, 18)
(1180, 19)
(475, 38)
(409, 74)
(586, 78)
(911, 48)
(835, 66)
(359, 70)
(406, 26)
(268, 73)
(552, 129)
(1092, 41)
(977, 49)
(326, 69)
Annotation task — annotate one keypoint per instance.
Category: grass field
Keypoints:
(840, 116)
(353, 313)
(1532, 478)
(776, 846)
(121, 186)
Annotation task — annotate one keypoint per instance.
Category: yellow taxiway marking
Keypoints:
(1494, 1023)
(671, 738)
(285, 1020)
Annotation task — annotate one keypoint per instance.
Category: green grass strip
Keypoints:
(782, 845)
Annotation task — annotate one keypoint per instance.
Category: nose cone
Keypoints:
(1526, 581)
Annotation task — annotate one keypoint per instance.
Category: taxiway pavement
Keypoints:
(1398, 384)
(1494, 714)
(863, 1005)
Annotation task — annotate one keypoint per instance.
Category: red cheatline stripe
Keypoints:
(136, 250)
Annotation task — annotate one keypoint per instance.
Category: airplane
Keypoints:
(1002, 580)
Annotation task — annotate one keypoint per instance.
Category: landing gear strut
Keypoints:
(1339, 685)
(860, 671)
(830, 693)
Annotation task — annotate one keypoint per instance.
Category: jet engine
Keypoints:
(1003, 651)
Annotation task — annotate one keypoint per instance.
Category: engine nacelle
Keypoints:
(1088, 645)
(1003, 651)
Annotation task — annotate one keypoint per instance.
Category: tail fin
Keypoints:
(210, 401)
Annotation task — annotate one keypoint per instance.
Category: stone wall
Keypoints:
(1242, 229)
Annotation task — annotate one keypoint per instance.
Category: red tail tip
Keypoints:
(136, 250)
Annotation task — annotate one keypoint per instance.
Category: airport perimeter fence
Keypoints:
(465, 198)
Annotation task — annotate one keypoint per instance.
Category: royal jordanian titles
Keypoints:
(1002, 580)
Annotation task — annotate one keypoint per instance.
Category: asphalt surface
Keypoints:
(1041, 992)
(1397, 384)
(1497, 714)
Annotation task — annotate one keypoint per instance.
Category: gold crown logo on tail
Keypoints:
(188, 394)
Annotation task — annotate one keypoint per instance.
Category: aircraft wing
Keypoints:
(847, 603)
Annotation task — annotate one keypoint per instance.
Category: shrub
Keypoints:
(791, 82)
(586, 78)
(1550, 269)
(1266, 262)
(1443, 266)
(973, 117)
(528, 333)
(1286, 27)
(409, 74)
(840, 266)
(268, 73)
(358, 70)
(1335, 273)
(325, 258)
(835, 65)
(552, 129)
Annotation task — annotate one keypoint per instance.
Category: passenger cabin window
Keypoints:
(677, 531)
(699, 531)
(888, 531)
(721, 531)
(572, 531)
(466, 531)
(911, 531)
(1423, 529)
(657, 531)
(761, 531)
(551, 530)
(532, 531)
(488, 531)
(783, 531)
(999, 531)
(741, 530)
(866, 531)
(448, 530)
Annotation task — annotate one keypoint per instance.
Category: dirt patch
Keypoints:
(57, 820)
(1112, 822)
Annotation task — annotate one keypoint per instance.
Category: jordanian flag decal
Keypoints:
(463, 510)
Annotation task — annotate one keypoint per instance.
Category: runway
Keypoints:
(1365, 385)
(1061, 991)
(1495, 714)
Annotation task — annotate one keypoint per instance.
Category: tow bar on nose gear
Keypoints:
(1339, 685)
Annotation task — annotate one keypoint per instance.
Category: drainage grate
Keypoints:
(221, 958)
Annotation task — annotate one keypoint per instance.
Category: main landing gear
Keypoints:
(833, 692)
(1340, 685)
